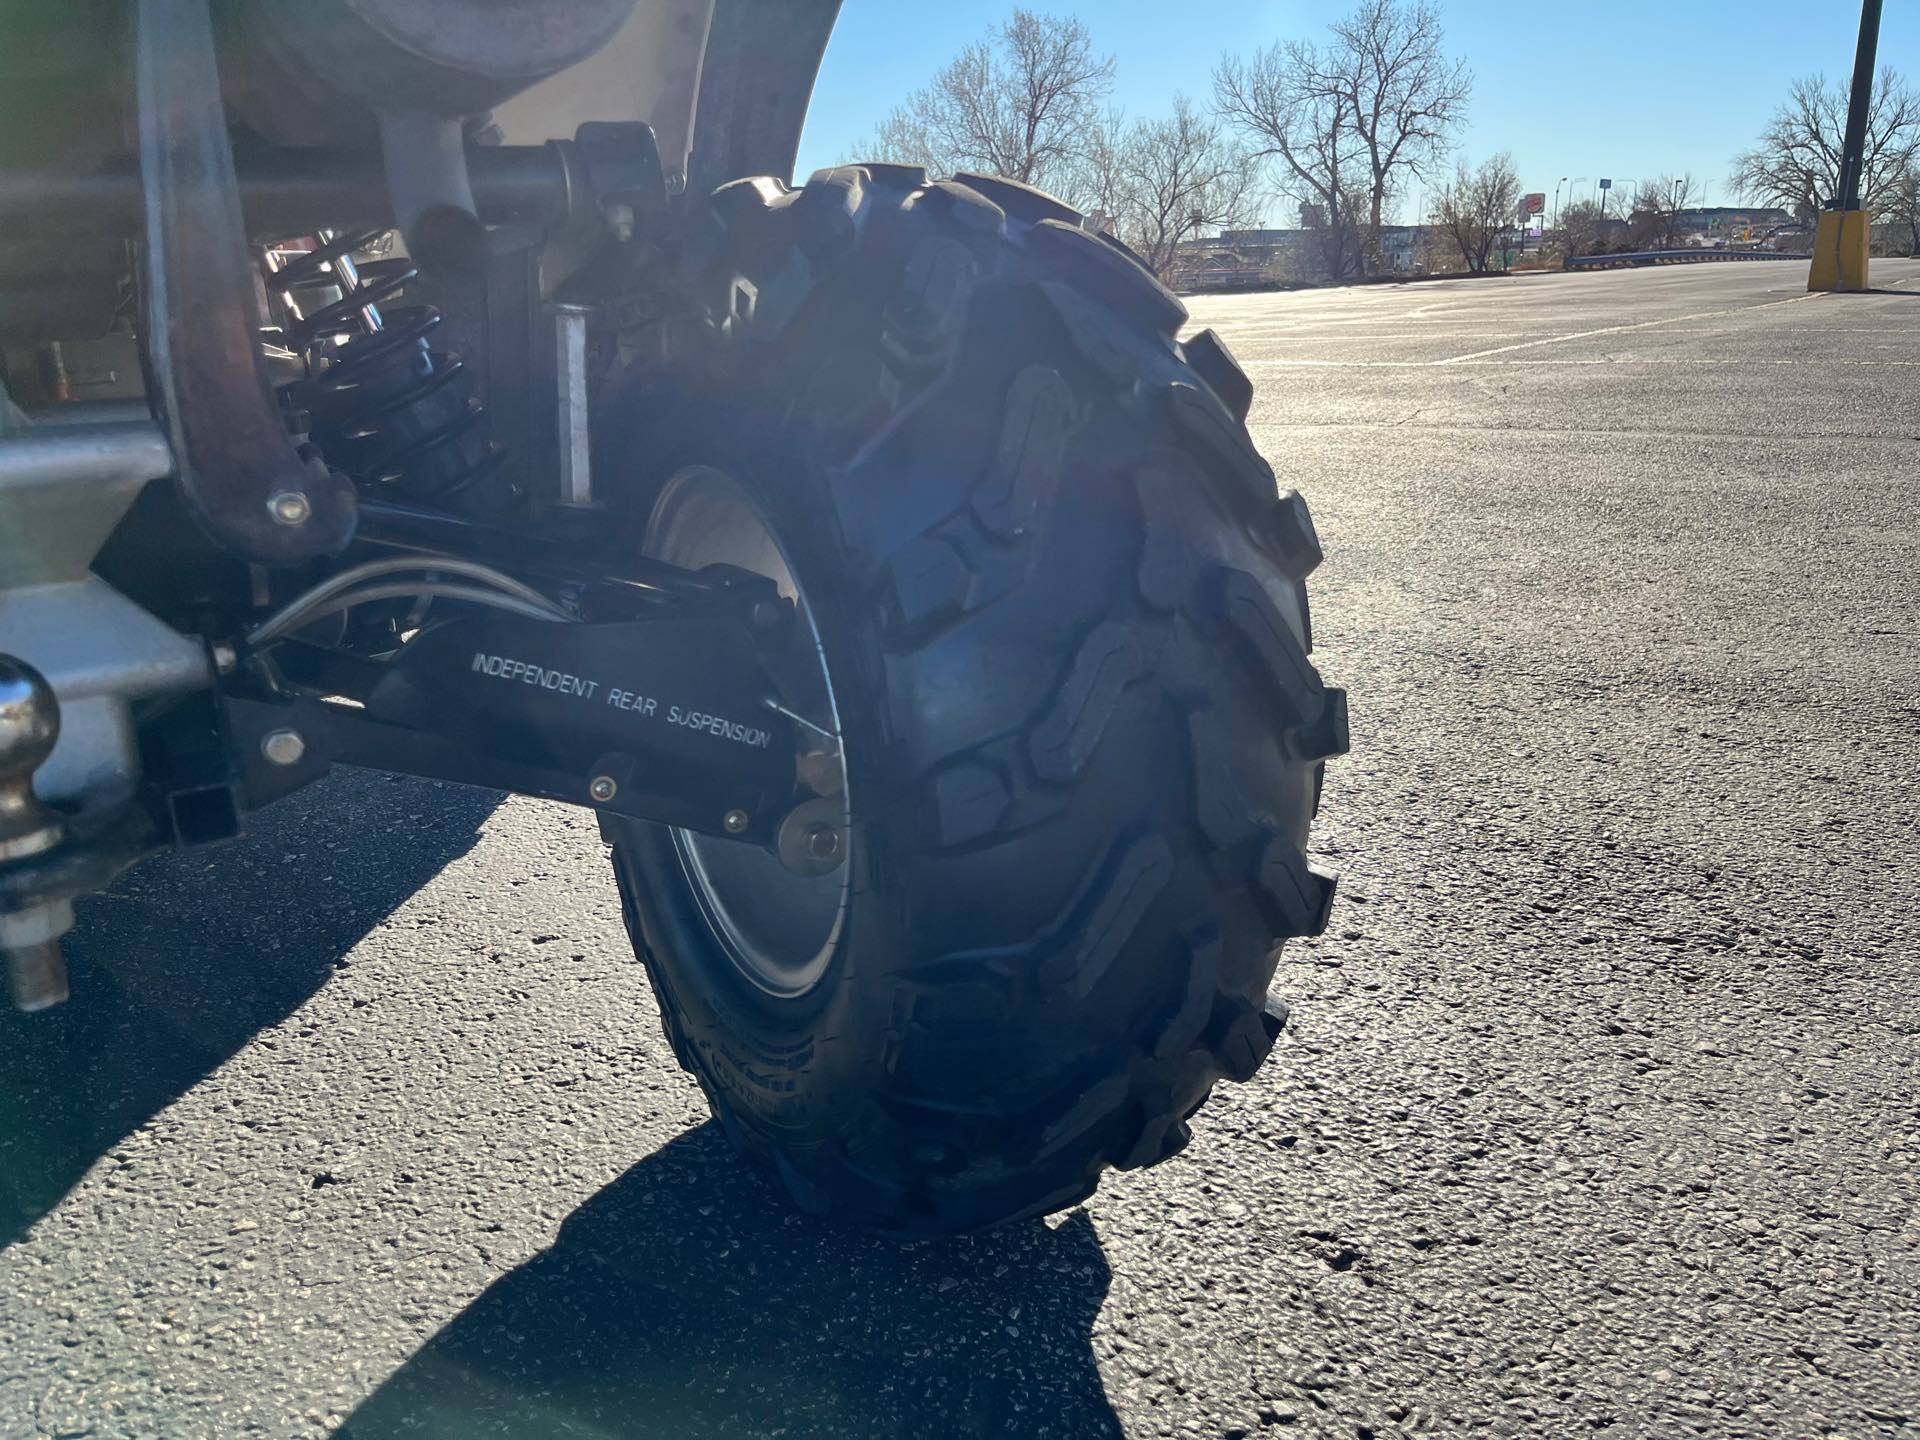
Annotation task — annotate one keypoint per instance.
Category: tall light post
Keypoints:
(1840, 242)
(1556, 201)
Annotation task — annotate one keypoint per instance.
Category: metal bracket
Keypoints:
(241, 476)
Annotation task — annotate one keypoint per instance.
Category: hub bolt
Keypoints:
(603, 788)
(823, 842)
(284, 747)
(736, 821)
(290, 507)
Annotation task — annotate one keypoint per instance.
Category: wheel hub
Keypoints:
(777, 917)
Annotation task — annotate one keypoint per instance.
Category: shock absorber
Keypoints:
(384, 405)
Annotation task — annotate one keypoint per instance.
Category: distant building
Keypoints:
(1240, 259)
(1731, 217)
(1718, 224)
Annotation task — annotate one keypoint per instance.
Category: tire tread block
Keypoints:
(1206, 421)
(1184, 1026)
(1169, 563)
(1290, 527)
(888, 174)
(928, 310)
(1091, 946)
(1220, 800)
(928, 581)
(1099, 1102)
(1106, 664)
(1214, 363)
(969, 801)
(1036, 425)
(1026, 203)
(1299, 897)
(1105, 272)
(1240, 1038)
(1267, 642)
(1325, 735)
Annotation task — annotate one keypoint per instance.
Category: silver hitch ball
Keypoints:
(29, 719)
(29, 937)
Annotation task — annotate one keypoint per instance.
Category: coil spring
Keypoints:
(384, 406)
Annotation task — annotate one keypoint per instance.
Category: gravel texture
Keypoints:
(1597, 1114)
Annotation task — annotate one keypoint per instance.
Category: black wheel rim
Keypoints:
(779, 928)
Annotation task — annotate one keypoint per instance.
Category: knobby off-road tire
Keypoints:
(1062, 607)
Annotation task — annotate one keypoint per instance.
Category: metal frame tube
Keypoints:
(285, 192)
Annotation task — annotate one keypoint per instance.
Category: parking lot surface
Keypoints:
(1596, 1116)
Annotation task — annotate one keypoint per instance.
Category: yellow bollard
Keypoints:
(1839, 251)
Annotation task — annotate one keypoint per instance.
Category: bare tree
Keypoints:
(1403, 96)
(1900, 210)
(1301, 127)
(1796, 162)
(1657, 209)
(1022, 103)
(1475, 206)
(1095, 181)
(1580, 229)
(1176, 178)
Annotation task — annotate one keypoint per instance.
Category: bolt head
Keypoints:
(736, 821)
(603, 788)
(823, 842)
(290, 507)
(284, 747)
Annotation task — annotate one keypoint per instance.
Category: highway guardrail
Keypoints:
(1679, 257)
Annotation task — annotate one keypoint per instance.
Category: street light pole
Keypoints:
(1853, 157)
(1840, 242)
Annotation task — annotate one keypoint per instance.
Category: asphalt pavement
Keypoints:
(1598, 1110)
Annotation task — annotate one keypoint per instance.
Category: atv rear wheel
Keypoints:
(1057, 612)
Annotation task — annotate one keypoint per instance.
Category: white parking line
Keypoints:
(1476, 364)
(1476, 356)
(1624, 329)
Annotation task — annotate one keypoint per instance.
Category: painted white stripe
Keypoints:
(1626, 329)
(1818, 361)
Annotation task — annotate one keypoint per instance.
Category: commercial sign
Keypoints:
(1533, 204)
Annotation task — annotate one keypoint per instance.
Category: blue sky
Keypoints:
(1621, 88)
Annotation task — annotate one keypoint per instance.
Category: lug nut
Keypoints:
(812, 838)
(736, 821)
(290, 507)
(603, 788)
(284, 747)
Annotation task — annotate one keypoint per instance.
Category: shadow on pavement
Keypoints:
(191, 955)
(686, 1300)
